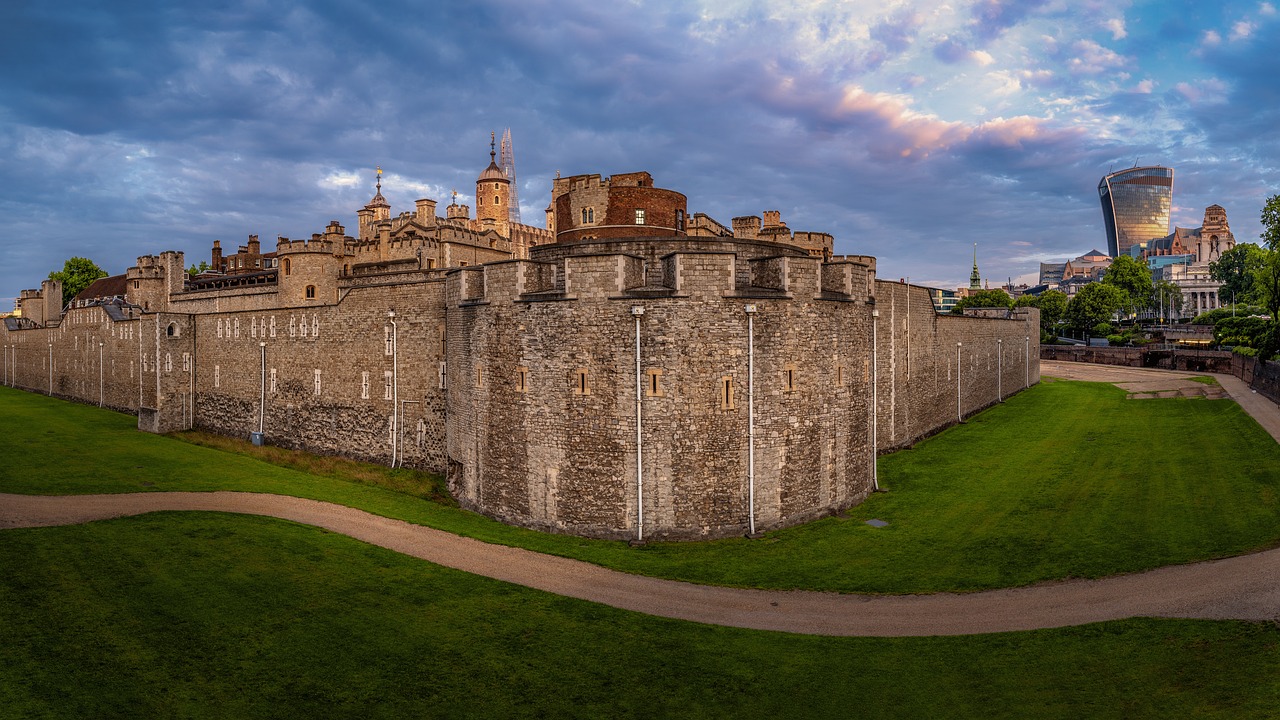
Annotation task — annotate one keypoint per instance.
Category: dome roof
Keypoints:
(493, 172)
(378, 201)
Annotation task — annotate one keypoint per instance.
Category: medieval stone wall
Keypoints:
(542, 399)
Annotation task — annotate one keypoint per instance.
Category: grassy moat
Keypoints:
(214, 615)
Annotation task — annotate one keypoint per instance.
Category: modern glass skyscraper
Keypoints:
(1135, 206)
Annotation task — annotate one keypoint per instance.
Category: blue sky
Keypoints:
(909, 130)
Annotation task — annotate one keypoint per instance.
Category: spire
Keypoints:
(378, 200)
(493, 155)
(975, 279)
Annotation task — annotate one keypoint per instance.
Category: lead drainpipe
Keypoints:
(999, 370)
(959, 414)
(395, 388)
(262, 388)
(751, 418)
(637, 311)
(875, 400)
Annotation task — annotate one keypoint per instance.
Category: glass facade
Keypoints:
(1135, 206)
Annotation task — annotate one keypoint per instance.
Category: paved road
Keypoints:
(1245, 587)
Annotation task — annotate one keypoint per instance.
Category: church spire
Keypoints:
(975, 279)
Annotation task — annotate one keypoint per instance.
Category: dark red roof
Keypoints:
(105, 287)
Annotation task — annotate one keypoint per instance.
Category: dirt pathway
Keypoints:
(1245, 587)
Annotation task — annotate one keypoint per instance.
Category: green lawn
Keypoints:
(1064, 480)
(211, 615)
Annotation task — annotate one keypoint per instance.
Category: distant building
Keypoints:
(943, 300)
(1135, 206)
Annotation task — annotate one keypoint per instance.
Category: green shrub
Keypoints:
(1245, 351)
(1117, 340)
(1102, 329)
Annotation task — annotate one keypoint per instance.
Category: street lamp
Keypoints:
(959, 413)
(999, 369)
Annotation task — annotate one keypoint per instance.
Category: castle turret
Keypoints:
(493, 196)
(371, 214)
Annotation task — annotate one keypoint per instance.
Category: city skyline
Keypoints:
(142, 129)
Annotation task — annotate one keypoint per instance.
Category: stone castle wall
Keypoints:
(518, 379)
(542, 377)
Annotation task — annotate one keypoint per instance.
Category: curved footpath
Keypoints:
(1246, 587)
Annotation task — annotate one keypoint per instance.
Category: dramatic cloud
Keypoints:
(908, 129)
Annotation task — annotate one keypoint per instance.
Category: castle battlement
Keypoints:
(317, 244)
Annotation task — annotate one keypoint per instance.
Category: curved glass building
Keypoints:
(1135, 206)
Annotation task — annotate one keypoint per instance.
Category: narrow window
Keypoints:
(186, 362)
(286, 265)
(584, 216)
(168, 362)
(364, 385)
(317, 381)
(479, 376)
(444, 367)
(679, 219)
(273, 381)
(237, 328)
(311, 292)
(522, 379)
(386, 338)
(580, 384)
(591, 215)
(839, 374)
(315, 326)
(253, 328)
(653, 388)
(292, 327)
(387, 387)
(789, 377)
(217, 375)
(639, 217)
(726, 393)
(273, 326)
(219, 327)
(495, 200)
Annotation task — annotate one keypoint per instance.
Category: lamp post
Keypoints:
(637, 311)
(1000, 369)
(51, 369)
(875, 404)
(1028, 363)
(959, 414)
(751, 418)
(101, 376)
(395, 386)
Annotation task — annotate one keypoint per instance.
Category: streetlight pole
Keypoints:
(959, 413)
(1028, 363)
(999, 369)
(101, 375)
(751, 418)
(51, 369)
(875, 404)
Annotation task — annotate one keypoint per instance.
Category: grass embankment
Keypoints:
(210, 615)
(1065, 480)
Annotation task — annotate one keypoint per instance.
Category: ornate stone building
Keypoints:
(629, 371)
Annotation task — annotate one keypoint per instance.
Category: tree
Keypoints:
(1235, 269)
(195, 270)
(77, 273)
(1133, 278)
(1052, 304)
(1271, 223)
(983, 298)
(1266, 279)
(1168, 297)
(1095, 303)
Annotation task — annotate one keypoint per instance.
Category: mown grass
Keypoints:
(1065, 480)
(211, 615)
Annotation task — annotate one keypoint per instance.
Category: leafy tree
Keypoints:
(1095, 303)
(1250, 331)
(1235, 269)
(983, 299)
(1271, 223)
(1052, 304)
(77, 273)
(1167, 296)
(1133, 278)
(195, 270)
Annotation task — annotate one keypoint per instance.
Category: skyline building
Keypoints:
(1135, 206)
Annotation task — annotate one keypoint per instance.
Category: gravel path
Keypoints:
(1245, 587)
(1241, 588)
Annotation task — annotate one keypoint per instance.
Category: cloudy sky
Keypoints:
(908, 129)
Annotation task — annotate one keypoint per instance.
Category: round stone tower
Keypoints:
(493, 196)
